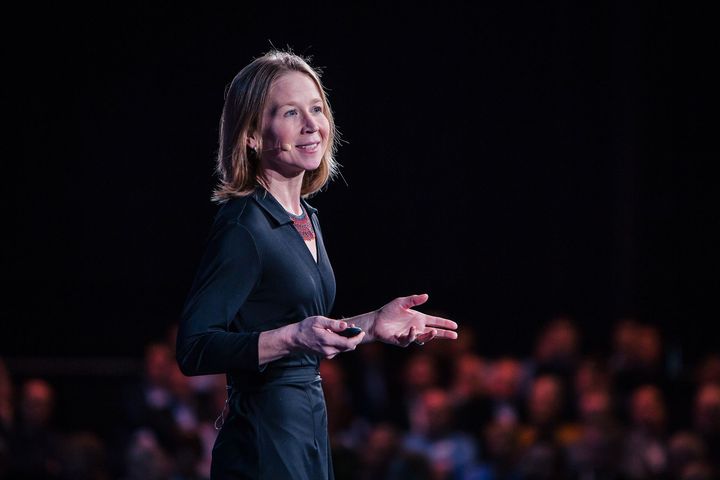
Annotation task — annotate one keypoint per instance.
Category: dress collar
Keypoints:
(273, 207)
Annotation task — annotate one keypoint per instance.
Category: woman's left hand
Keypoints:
(398, 324)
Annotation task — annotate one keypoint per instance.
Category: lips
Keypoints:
(309, 147)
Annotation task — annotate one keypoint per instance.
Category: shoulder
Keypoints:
(241, 211)
(230, 220)
(234, 209)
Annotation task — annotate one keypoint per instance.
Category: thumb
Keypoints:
(329, 323)
(413, 300)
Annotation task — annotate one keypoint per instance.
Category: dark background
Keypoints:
(515, 161)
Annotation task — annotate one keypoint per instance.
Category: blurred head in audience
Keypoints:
(557, 344)
(431, 414)
(381, 447)
(83, 457)
(698, 471)
(649, 347)
(37, 403)
(420, 373)
(546, 400)
(595, 407)
(337, 398)
(159, 363)
(591, 374)
(624, 340)
(707, 409)
(501, 441)
(636, 345)
(505, 379)
(333, 378)
(179, 384)
(624, 335)
(648, 409)
(709, 369)
(145, 459)
(469, 378)
(685, 448)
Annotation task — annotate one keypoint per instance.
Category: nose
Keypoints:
(311, 124)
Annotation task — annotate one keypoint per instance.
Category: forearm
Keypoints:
(366, 321)
(275, 344)
(214, 352)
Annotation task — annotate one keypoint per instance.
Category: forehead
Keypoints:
(293, 87)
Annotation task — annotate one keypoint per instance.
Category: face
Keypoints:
(294, 116)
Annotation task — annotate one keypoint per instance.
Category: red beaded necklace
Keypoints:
(303, 225)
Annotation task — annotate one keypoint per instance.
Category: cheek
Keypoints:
(325, 127)
(275, 131)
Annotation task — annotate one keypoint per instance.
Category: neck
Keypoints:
(285, 190)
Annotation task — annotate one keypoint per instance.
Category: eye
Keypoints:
(290, 113)
(317, 109)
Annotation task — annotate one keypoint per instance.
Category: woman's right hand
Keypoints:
(319, 335)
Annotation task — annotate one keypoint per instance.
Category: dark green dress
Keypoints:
(257, 274)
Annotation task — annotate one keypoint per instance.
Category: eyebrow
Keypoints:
(291, 104)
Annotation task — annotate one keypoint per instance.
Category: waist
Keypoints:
(286, 375)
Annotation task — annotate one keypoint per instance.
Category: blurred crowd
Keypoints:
(442, 411)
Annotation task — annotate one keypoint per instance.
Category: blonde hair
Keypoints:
(238, 166)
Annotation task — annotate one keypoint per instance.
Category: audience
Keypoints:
(438, 412)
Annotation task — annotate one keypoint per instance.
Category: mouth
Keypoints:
(309, 147)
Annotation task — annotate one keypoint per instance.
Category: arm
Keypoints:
(314, 334)
(398, 324)
(227, 274)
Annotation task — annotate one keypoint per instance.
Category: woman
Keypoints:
(257, 307)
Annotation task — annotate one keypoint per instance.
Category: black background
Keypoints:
(513, 160)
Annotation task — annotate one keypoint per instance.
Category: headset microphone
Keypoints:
(285, 147)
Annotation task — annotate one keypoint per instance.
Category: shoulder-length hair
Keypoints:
(238, 166)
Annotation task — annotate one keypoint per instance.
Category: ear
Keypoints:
(252, 141)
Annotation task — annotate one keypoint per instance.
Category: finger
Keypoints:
(356, 340)
(427, 336)
(448, 334)
(440, 322)
(413, 300)
(330, 324)
(340, 343)
(411, 336)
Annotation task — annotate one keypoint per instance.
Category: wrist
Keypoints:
(290, 337)
(370, 335)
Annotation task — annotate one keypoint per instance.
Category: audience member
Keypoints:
(82, 456)
(707, 420)
(35, 442)
(469, 393)
(433, 434)
(596, 452)
(500, 452)
(557, 348)
(383, 457)
(505, 387)
(645, 450)
(685, 451)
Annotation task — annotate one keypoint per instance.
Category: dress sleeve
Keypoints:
(228, 271)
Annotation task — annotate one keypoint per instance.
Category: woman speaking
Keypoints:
(258, 304)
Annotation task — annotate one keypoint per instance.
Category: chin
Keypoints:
(312, 165)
